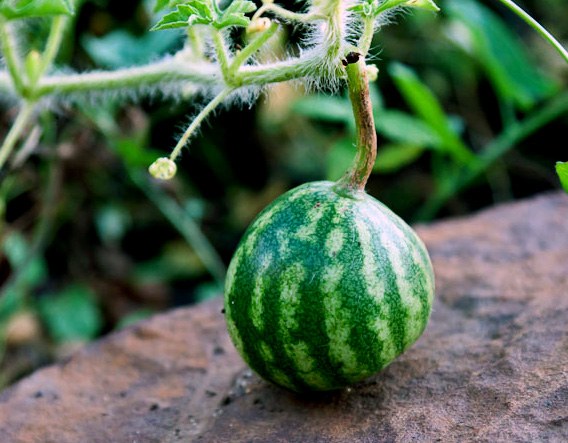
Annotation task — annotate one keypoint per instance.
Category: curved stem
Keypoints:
(53, 43)
(367, 35)
(16, 131)
(356, 177)
(197, 121)
(521, 13)
(222, 53)
(251, 48)
(13, 61)
(284, 13)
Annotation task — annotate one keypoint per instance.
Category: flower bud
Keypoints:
(258, 25)
(372, 72)
(163, 168)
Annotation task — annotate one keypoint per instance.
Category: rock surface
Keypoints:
(492, 365)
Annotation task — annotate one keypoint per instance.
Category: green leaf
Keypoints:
(30, 271)
(427, 5)
(161, 4)
(234, 15)
(340, 157)
(200, 12)
(428, 108)
(17, 250)
(325, 108)
(391, 158)
(562, 171)
(501, 54)
(35, 8)
(120, 48)
(195, 12)
(406, 129)
(71, 315)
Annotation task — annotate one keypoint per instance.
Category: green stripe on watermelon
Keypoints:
(326, 289)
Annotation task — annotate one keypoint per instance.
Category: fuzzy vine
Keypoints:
(210, 61)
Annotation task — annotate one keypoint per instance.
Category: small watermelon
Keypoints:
(326, 288)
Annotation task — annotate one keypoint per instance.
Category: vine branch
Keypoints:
(357, 175)
(544, 33)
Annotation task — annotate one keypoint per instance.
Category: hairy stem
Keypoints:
(356, 177)
(251, 48)
(163, 71)
(284, 13)
(53, 43)
(15, 132)
(537, 27)
(197, 121)
(367, 35)
(222, 54)
(13, 61)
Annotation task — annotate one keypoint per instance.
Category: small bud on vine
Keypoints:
(163, 169)
(258, 25)
(33, 66)
(372, 72)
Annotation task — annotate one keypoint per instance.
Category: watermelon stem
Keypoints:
(355, 179)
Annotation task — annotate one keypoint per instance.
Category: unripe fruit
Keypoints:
(326, 289)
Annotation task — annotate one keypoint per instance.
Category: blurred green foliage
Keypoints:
(470, 108)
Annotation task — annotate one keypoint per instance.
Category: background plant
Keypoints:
(457, 93)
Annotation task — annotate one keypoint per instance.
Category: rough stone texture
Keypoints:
(492, 365)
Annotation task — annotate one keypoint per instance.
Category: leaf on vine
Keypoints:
(195, 12)
(562, 171)
(35, 8)
(366, 8)
(200, 12)
(372, 8)
(161, 4)
(234, 15)
(428, 5)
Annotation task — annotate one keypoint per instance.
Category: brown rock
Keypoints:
(492, 365)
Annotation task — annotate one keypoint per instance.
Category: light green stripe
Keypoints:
(266, 352)
(395, 242)
(420, 256)
(257, 301)
(308, 228)
(334, 242)
(375, 288)
(290, 298)
(229, 282)
(306, 365)
(259, 225)
(283, 241)
(338, 323)
(375, 284)
(281, 378)
(231, 272)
